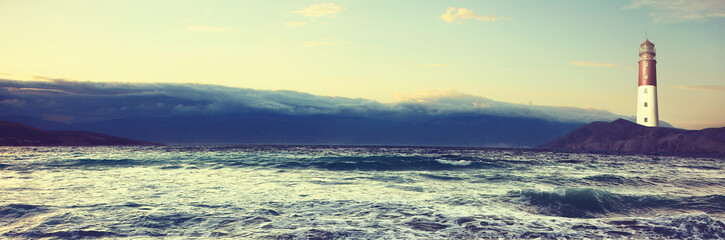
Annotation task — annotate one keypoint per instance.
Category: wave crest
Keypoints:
(590, 202)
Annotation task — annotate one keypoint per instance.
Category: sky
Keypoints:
(580, 54)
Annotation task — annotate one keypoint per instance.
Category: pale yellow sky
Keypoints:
(564, 53)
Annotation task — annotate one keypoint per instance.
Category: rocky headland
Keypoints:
(625, 136)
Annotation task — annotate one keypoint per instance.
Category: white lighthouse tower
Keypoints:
(647, 114)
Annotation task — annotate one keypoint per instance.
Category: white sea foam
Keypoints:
(454, 162)
(356, 193)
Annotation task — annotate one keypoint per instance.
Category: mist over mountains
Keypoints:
(197, 113)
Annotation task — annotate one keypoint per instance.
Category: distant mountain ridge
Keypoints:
(625, 136)
(275, 128)
(214, 114)
(18, 134)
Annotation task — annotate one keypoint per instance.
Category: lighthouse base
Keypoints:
(647, 112)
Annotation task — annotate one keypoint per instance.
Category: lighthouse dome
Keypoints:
(647, 42)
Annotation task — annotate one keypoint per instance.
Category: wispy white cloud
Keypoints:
(11, 76)
(709, 88)
(201, 28)
(428, 96)
(34, 91)
(324, 42)
(596, 64)
(295, 24)
(436, 65)
(462, 14)
(674, 11)
(321, 10)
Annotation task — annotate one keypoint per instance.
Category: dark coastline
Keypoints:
(620, 137)
(18, 134)
(628, 137)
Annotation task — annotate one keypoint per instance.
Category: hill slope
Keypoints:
(625, 136)
(275, 128)
(17, 134)
(214, 114)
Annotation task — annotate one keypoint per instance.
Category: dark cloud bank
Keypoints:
(196, 113)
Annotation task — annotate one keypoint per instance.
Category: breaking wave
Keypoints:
(591, 203)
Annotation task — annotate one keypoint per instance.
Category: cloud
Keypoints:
(436, 65)
(444, 102)
(675, 11)
(34, 91)
(320, 10)
(596, 64)
(708, 88)
(200, 28)
(13, 102)
(464, 14)
(24, 77)
(324, 42)
(95, 101)
(295, 24)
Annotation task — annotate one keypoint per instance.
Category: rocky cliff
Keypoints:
(625, 136)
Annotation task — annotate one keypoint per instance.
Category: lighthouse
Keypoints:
(647, 114)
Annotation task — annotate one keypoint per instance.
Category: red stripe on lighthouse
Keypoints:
(647, 73)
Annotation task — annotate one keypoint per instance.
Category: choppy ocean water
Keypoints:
(317, 192)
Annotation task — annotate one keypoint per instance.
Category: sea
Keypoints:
(354, 192)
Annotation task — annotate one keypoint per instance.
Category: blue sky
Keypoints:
(557, 53)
